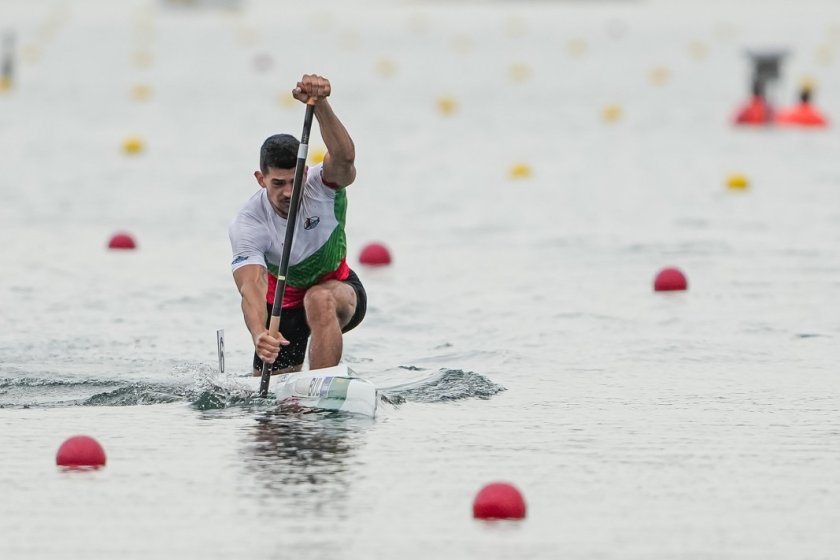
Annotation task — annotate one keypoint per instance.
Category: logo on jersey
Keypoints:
(311, 223)
(239, 259)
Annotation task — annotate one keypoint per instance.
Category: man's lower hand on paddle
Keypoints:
(267, 347)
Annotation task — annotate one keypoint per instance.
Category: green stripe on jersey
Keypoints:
(327, 257)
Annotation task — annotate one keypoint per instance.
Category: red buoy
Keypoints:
(121, 241)
(802, 115)
(755, 112)
(80, 451)
(499, 500)
(670, 279)
(375, 254)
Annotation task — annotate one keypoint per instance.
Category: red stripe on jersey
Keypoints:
(293, 297)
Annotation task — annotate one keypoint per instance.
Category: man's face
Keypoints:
(278, 185)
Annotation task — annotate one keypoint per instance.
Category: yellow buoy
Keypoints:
(611, 113)
(577, 47)
(142, 59)
(133, 145)
(519, 72)
(447, 105)
(520, 171)
(5, 84)
(697, 50)
(737, 181)
(140, 92)
(659, 75)
(386, 67)
(317, 155)
(286, 99)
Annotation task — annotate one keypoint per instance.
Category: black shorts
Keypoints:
(295, 329)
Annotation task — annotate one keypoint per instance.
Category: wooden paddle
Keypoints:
(280, 290)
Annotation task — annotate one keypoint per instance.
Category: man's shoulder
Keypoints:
(253, 209)
(315, 179)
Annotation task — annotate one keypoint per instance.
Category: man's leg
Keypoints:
(329, 307)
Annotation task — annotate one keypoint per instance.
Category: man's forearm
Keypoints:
(335, 136)
(254, 312)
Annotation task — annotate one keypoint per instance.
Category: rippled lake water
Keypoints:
(517, 326)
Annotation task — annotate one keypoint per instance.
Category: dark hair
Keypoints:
(805, 95)
(279, 151)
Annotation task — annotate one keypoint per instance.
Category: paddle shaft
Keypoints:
(280, 290)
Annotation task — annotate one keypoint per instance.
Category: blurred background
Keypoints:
(531, 167)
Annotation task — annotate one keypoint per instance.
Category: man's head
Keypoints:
(279, 151)
(278, 158)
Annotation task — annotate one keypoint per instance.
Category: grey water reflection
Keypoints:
(308, 459)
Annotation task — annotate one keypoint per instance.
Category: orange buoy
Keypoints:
(802, 115)
(757, 111)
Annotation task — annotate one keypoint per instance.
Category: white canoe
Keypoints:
(334, 388)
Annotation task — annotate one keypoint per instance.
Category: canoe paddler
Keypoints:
(323, 297)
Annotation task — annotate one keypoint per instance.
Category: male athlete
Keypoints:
(323, 296)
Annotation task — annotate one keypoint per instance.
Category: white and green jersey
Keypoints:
(319, 251)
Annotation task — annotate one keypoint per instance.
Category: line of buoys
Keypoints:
(79, 452)
(499, 500)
